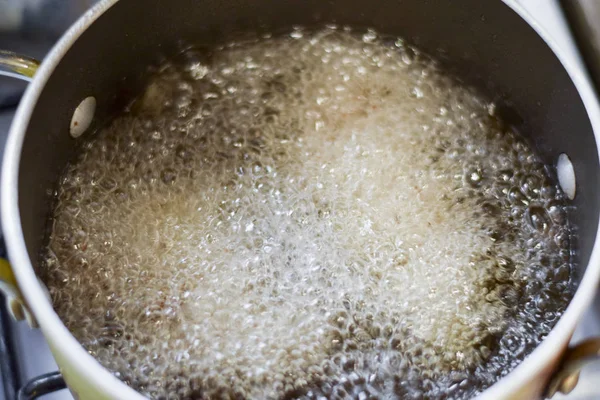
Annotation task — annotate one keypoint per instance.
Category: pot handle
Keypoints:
(20, 67)
(14, 300)
(17, 66)
(565, 378)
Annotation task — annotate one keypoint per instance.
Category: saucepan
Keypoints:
(98, 65)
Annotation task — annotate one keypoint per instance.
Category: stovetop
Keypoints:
(32, 352)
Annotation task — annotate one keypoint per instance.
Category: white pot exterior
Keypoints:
(89, 380)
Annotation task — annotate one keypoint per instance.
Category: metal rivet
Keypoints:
(566, 175)
(83, 116)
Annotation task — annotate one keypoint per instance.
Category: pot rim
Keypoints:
(70, 351)
(60, 339)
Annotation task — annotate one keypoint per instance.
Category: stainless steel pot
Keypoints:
(492, 44)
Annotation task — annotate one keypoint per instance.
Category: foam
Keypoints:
(322, 214)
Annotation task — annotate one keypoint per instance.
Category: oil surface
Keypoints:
(320, 215)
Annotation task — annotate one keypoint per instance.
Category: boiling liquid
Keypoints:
(320, 215)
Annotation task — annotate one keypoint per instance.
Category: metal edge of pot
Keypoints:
(70, 349)
(547, 351)
(60, 339)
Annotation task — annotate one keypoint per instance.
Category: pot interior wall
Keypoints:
(484, 41)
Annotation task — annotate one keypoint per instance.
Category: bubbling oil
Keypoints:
(319, 215)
